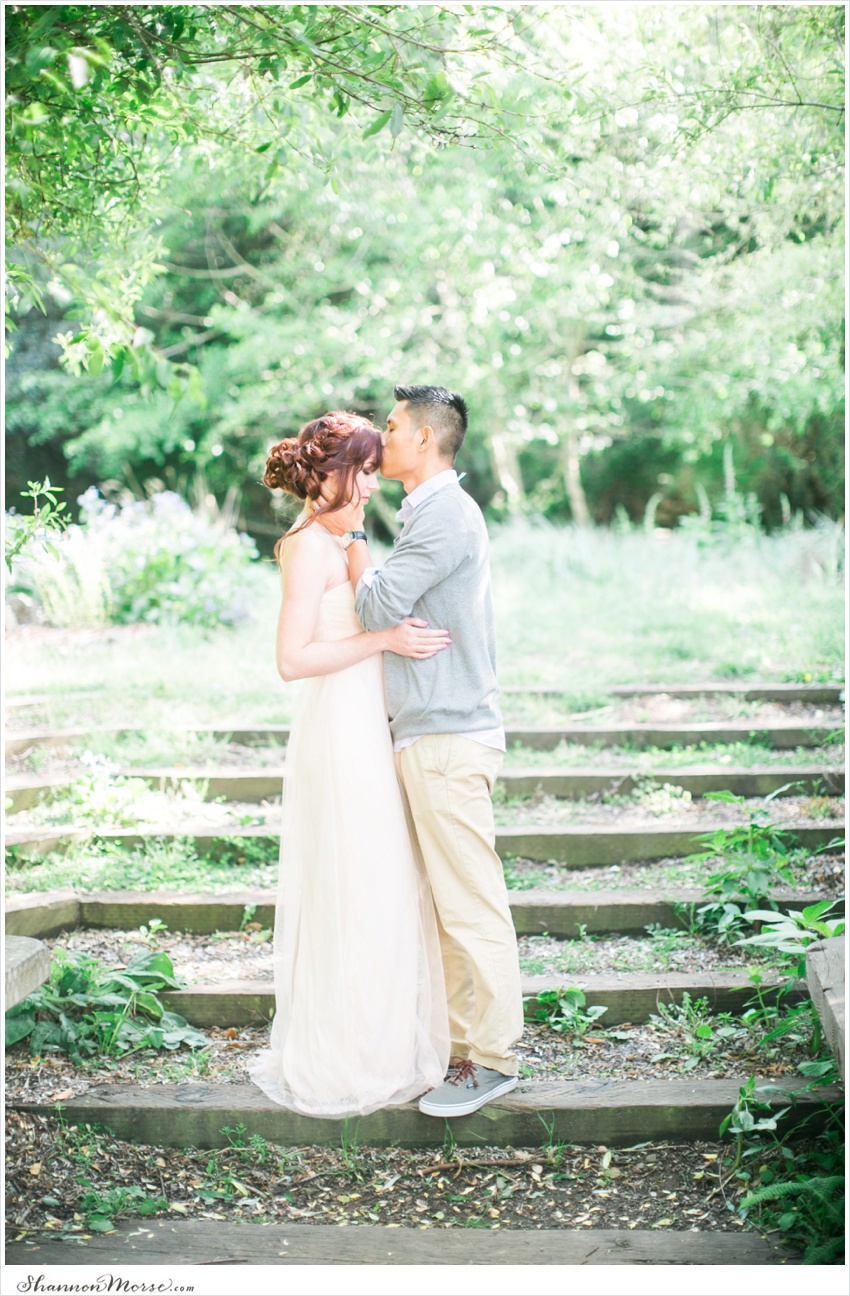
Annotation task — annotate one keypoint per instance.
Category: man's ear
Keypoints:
(425, 436)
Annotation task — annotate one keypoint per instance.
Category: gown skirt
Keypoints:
(360, 1019)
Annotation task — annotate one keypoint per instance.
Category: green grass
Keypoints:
(158, 865)
(587, 609)
(580, 610)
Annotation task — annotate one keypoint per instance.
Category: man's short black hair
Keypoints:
(442, 410)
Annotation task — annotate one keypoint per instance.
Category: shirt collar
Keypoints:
(411, 502)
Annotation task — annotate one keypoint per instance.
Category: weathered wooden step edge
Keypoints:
(627, 996)
(26, 965)
(782, 734)
(576, 847)
(191, 1242)
(825, 974)
(828, 694)
(614, 1113)
(560, 913)
(25, 791)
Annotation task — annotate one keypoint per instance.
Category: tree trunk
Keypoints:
(570, 456)
(506, 466)
(571, 463)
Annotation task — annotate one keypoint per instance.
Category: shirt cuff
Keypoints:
(366, 579)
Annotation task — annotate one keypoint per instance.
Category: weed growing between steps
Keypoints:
(86, 1009)
(66, 1181)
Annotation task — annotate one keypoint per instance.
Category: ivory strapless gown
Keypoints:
(360, 1020)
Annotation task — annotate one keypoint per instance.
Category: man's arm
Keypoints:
(433, 546)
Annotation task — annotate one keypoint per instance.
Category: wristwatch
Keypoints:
(351, 536)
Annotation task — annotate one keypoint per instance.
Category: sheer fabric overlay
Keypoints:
(360, 1020)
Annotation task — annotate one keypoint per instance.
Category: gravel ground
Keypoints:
(655, 1185)
(654, 806)
(648, 1051)
(248, 955)
(822, 873)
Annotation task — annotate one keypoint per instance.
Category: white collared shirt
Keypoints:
(410, 503)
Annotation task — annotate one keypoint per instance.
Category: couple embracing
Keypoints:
(395, 958)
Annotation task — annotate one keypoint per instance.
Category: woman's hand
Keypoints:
(348, 518)
(415, 638)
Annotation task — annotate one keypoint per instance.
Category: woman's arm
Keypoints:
(307, 567)
(359, 561)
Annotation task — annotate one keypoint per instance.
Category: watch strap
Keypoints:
(351, 536)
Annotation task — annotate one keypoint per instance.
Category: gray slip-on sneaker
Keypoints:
(465, 1089)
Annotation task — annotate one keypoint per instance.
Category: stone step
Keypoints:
(616, 1113)
(26, 966)
(777, 733)
(560, 913)
(628, 996)
(577, 847)
(826, 694)
(253, 785)
(168, 1243)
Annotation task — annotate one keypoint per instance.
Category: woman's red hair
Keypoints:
(337, 442)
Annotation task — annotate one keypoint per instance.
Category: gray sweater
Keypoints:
(439, 571)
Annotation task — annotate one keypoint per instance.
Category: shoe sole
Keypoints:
(471, 1105)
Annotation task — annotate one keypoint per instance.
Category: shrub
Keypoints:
(144, 560)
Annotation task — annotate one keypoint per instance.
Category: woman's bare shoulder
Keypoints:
(306, 549)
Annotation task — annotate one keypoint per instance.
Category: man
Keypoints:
(448, 737)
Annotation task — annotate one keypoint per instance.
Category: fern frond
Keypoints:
(824, 1252)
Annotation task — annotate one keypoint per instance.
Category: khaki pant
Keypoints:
(446, 784)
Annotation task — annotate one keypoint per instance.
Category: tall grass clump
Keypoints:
(153, 560)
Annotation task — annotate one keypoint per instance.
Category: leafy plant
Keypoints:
(85, 1009)
(791, 934)
(25, 531)
(100, 1206)
(749, 1119)
(788, 936)
(691, 1022)
(566, 1012)
(754, 858)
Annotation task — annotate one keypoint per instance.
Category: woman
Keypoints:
(360, 1019)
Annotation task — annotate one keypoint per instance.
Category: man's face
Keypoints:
(400, 439)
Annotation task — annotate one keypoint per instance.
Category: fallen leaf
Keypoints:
(35, 1168)
(63, 1096)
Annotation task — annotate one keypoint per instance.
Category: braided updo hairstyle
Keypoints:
(337, 442)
